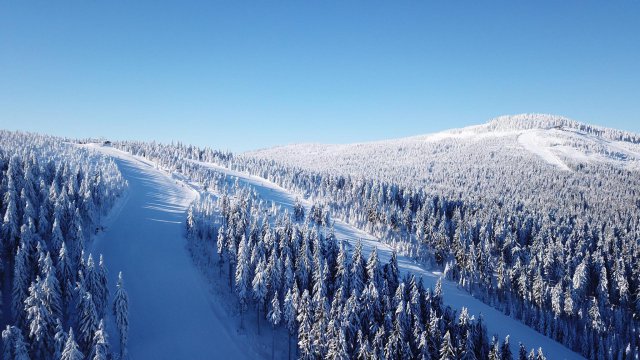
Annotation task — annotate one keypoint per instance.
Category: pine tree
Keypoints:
(446, 349)
(41, 323)
(71, 350)
(13, 343)
(242, 276)
(373, 268)
(21, 280)
(88, 321)
(121, 313)
(274, 315)
(298, 211)
(340, 351)
(358, 269)
(190, 224)
(342, 271)
(67, 278)
(436, 299)
(56, 240)
(568, 303)
(220, 247)
(51, 289)
(522, 352)
(505, 350)
(305, 322)
(423, 346)
(10, 230)
(494, 350)
(102, 288)
(290, 314)
(594, 316)
(60, 338)
(100, 348)
(259, 285)
(467, 352)
(91, 279)
(392, 272)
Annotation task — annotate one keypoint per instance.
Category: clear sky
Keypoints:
(242, 75)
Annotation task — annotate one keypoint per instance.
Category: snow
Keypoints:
(540, 145)
(496, 321)
(554, 145)
(172, 313)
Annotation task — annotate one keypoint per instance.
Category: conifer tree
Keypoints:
(102, 288)
(121, 313)
(467, 352)
(358, 269)
(505, 349)
(60, 339)
(41, 323)
(88, 322)
(21, 281)
(274, 315)
(446, 349)
(220, 247)
(259, 285)
(71, 350)
(67, 278)
(56, 240)
(290, 314)
(100, 348)
(304, 330)
(242, 276)
(51, 289)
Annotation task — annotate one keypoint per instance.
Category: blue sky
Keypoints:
(242, 75)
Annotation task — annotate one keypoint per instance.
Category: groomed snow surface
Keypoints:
(172, 314)
(176, 314)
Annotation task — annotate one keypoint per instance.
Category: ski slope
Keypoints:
(497, 323)
(171, 312)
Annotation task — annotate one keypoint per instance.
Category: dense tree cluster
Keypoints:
(53, 195)
(337, 304)
(541, 121)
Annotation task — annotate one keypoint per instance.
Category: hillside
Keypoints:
(523, 161)
(532, 138)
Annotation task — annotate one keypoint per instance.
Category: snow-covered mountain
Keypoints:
(557, 141)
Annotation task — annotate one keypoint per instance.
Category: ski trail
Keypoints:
(497, 323)
(171, 312)
(539, 145)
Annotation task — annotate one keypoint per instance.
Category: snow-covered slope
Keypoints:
(172, 313)
(554, 140)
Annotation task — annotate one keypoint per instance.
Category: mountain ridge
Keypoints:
(497, 126)
(556, 140)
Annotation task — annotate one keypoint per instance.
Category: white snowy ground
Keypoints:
(496, 321)
(172, 313)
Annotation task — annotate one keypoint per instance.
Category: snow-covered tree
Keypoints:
(88, 321)
(71, 350)
(121, 314)
(242, 276)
